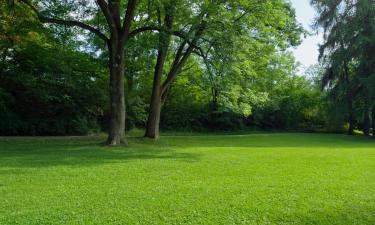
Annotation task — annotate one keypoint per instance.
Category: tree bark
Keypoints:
(349, 96)
(116, 134)
(4, 55)
(214, 103)
(351, 117)
(153, 121)
(160, 90)
(366, 123)
(366, 119)
(159, 95)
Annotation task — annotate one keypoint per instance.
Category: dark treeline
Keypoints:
(348, 59)
(76, 67)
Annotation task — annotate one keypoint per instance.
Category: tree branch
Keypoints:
(182, 56)
(114, 8)
(129, 14)
(180, 60)
(103, 5)
(73, 23)
(70, 23)
(142, 29)
(179, 34)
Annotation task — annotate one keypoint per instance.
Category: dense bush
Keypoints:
(294, 104)
(48, 90)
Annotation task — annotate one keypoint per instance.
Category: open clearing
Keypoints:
(223, 179)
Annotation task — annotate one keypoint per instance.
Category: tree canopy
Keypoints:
(348, 57)
(77, 67)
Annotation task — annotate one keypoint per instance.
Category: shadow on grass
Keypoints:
(89, 151)
(36, 153)
(349, 214)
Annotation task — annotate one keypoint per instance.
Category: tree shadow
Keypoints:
(36, 153)
(89, 151)
(349, 214)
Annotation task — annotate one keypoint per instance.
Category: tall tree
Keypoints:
(348, 52)
(202, 26)
(184, 49)
(119, 17)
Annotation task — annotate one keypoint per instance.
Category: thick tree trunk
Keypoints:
(116, 135)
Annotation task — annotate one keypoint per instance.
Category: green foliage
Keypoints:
(267, 96)
(45, 88)
(45, 99)
(239, 75)
(347, 56)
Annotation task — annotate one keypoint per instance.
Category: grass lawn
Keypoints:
(222, 179)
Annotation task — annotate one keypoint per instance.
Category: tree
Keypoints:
(348, 53)
(119, 17)
(211, 25)
(185, 48)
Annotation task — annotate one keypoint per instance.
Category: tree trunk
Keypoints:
(159, 90)
(351, 117)
(214, 106)
(373, 122)
(153, 121)
(366, 123)
(366, 120)
(116, 135)
(3, 60)
(159, 94)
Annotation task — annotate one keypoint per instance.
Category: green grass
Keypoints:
(243, 179)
